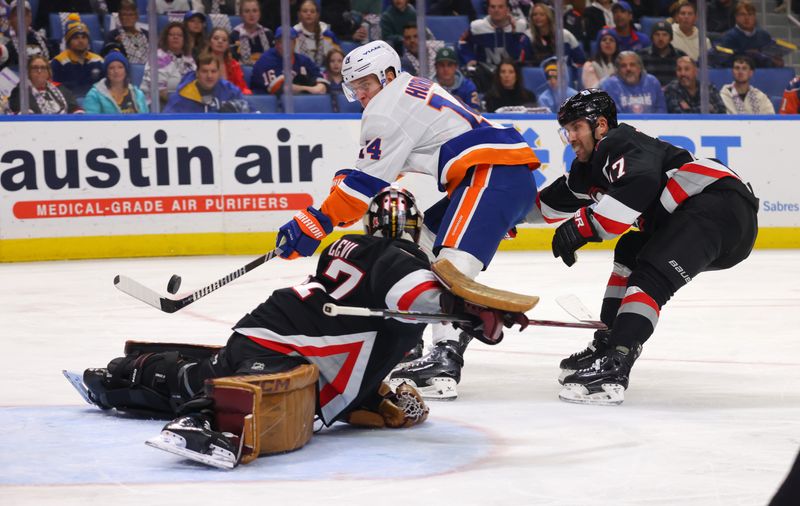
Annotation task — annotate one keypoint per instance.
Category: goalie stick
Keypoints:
(170, 305)
(331, 309)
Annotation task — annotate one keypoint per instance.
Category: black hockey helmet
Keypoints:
(589, 104)
(393, 213)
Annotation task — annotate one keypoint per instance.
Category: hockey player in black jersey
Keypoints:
(692, 216)
(384, 268)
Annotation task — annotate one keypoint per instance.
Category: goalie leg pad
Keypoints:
(399, 409)
(271, 413)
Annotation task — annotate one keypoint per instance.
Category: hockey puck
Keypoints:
(174, 283)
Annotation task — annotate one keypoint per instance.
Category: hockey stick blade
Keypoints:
(331, 309)
(576, 308)
(169, 305)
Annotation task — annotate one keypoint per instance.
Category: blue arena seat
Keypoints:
(235, 21)
(720, 77)
(777, 102)
(97, 45)
(313, 103)
(448, 28)
(345, 106)
(647, 22)
(480, 7)
(533, 78)
(137, 73)
(247, 70)
(91, 20)
(772, 81)
(262, 103)
(347, 46)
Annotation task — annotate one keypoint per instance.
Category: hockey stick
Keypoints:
(331, 309)
(169, 305)
(576, 309)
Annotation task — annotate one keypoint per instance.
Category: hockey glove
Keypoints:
(400, 409)
(302, 235)
(485, 324)
(573, 234)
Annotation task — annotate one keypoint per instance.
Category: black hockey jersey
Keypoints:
(353, 353)
(634, 179)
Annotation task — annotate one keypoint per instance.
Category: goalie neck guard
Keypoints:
(393, 213)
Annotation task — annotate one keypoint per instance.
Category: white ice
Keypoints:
(712, 415)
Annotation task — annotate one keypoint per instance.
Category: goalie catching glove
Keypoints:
(573, 234)
(399, 409)
(485, 323)
(301, 236)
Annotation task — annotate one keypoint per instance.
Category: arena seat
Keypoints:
(647, 22)
(137, 74)
(772, 81)
(262, 103)
(247, 71)
(448, 28)
(347, 46)
(345, 106)
(313, 103)
(534, 79)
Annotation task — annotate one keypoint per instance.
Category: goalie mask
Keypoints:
(393, 213)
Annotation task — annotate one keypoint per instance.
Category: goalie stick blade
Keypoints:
(151, 297)
(478, 293)
(221, 460)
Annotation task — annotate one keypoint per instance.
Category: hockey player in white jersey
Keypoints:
(412, 125)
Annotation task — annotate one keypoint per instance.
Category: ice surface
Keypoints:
(712, 416)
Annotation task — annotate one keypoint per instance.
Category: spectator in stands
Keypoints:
(596, 16)
(634, 90)
(508, 88)
(659, 59)
(250, 39)
(47, 7)
(791, 97)
(548, 98)
(115, 94)
(230, 70)
(629, 38)
(719, 16)
(747, 38)
(44, 96)
(206, 91)
(394, 20)
(573, 22)
(542, 36)
(451, 79)
(314, 37)
(174, 61)
(602, 63)
(491, 39)
(357, 22)
(739, 96)
(195, 23)
(129, 35)
(76, 67)
(452, 8)
(685, 35)
(410, 53)
(683, 93)
(167, 6)
(268, 72)
(36, 42)
(333, 70)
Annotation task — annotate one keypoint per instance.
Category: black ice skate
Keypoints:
(436, 374)
(191, 436)
(413, 354)
(604, 382)
(583, 359)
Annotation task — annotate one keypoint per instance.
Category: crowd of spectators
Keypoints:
(74, 69)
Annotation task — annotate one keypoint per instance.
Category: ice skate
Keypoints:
(413, 354)
(604, 381)
(583, 359)
(191, 436)
(436, 374)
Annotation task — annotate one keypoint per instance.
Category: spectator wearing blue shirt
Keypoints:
(76, 67)
(268, 75)
(748, 39)
(629, 38)
(451, 79)
(548, 97)
(634, 90)
(206, 91)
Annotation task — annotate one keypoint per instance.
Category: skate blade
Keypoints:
(440, 389)
(611, 395)
(76, 380)
(169, 442)
(564, 374)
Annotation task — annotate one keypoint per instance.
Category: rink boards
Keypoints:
(113, 186)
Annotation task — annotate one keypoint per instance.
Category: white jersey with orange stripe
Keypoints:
(414, 125)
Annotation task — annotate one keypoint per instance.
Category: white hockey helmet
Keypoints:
(373, 58)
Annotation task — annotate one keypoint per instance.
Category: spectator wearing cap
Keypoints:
(115, 94)
(685, 35)
(596, 16)
(548, 97)
(249, 39)
(36, 42)
(44, 96)
(451, 79)
(659, 59)
(195, 22)
(747, 38)
(174, 59)
(601, 65)
(683, 93)
(76, 67)
(739, 96)
(206, 91)
(268, 72)
(129, 35)
(634, 90)
(791, 98)
(630, 39)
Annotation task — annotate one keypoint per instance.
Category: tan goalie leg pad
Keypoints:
(271, 413)
(400, 409)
